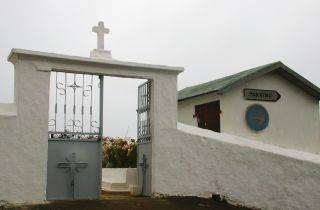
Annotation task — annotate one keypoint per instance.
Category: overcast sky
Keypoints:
(210, 38)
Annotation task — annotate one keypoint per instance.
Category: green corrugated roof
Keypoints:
(228, 82)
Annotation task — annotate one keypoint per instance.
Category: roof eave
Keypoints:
(251, 77)
(190, 97)
(300, 81)
(288, 73)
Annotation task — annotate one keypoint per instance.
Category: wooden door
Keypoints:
(208, 115)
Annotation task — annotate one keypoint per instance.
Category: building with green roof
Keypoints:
(270, 103)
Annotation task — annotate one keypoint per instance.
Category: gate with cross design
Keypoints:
(75, 132)
(144, 138)
(72, 167)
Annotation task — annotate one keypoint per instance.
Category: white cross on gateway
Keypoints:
(100, 30)
(100, 52)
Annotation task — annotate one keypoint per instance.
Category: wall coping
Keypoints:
(232, 139)
(110, 62)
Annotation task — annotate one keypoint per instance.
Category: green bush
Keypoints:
(119, 153)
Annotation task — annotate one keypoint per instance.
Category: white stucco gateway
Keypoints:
(291, 103)
(183, 160)
(24, 124)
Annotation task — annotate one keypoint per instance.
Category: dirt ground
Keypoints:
(124, 202)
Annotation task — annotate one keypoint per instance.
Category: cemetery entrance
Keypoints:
(75, 132)
(74, 166)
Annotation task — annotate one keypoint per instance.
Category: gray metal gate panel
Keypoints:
(86, 180)
(144, 168)
(144, 138)
(75, 130)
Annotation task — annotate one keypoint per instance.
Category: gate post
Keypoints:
(101, 131)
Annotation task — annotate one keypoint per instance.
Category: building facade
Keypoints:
(292, 112)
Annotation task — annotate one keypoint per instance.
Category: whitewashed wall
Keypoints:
(200, 162)
(114, 175)
(23, 135)
(123, 178)
(293, 120)
(120, 175)
(185, 161)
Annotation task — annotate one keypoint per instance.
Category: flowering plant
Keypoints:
(119, 153)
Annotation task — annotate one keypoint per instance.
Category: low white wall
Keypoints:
(114, 175)
(120, 175)
(200, 162)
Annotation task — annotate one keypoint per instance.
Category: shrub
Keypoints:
(119, 153)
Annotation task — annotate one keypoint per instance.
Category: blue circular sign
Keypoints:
(257, 117)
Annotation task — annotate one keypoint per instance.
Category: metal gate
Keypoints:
(75, 132)
(144, 137)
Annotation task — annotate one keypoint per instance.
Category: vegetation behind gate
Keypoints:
(119, 153)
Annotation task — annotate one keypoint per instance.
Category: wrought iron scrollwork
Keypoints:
(75, 125)
(74, 86)
(72, 116)
(94, 126)
(52, 124)
(87, 92)
(60, 88)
